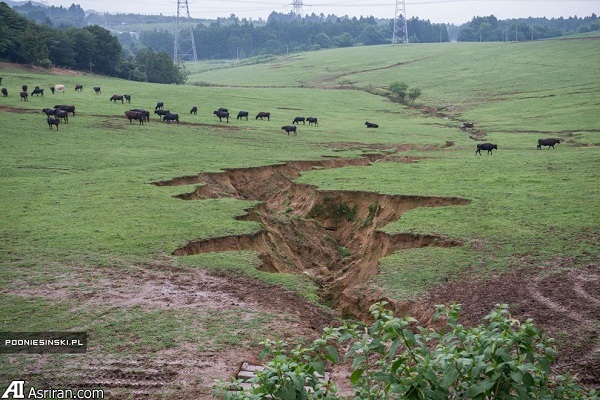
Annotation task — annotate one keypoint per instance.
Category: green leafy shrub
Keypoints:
(396, 358)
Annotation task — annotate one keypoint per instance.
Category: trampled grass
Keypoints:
(83, 195)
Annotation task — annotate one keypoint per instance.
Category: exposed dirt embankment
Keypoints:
(333, 237)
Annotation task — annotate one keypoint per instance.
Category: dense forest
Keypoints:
(88, 48)
(140, 47)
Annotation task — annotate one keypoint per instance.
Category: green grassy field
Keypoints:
(82, 199)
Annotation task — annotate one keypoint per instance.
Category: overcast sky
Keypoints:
(449, 11)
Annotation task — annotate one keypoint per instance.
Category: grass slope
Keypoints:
(81, 197)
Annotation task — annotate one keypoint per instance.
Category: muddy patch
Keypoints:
(562, 300)
(333, 237)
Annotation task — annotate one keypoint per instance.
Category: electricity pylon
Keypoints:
(185, 48)
(400, 33)
(297, 7)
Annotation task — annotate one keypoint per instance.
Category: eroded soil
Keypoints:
(334, 237)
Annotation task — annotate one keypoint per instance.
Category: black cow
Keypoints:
(53, 121)
(162, 113)
(1, 80)
(24, 88)
(79, 87)
(137, 115)
(297, 120)
(127, 98)
(70, 109)
(62, 114)
(371, 125)
(145, 113)
(289, 128)
(312, 120)
(159, 106)
(262, 115)
(550, 142)
(97, 90)
(23, 95)
(223, 109)
(242, 114)
(486, 146)
(116, 97)
(221, 114)
(467, 125)
(194, 110)
(4, 92)
(49, 111)
(37, 91)
(52, 89)
(171, 117)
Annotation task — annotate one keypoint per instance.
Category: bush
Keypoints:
(396, 358)
(44, 63)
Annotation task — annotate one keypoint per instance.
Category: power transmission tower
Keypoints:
(297, 6)
(400, 33)
(185, 48)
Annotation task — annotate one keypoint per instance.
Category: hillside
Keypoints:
(179, 247)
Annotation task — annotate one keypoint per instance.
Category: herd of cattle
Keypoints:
(61, 113)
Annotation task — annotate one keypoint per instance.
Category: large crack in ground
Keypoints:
(333, 237)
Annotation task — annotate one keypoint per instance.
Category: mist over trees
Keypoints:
(490, 29)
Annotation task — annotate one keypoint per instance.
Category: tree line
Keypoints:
(88, 48)
(108, 44)
(227, 38)
(490, 29)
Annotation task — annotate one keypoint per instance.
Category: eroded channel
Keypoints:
(334, 237)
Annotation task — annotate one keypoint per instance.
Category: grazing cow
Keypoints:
(194, 110)
(312, 120)
(289, 128)
(486, 146)
(62, 114)
(53, 121)
(159, 106)
(145, 113)
(37, 91)
(138, 116)
(52, 89)
(97, 90)
(24, 88)
(371, 125)
(262, 115)
(171, 117)
(49, 111)
(79, 87)
(1, 80)
(162, 113)
(550, 142)
(222, 114)
(242, 114)
(223, 109)
(4, 92)
(116, 97)
(127, 98)
(70, 109)
(60, 88)
(23, 95)
(297, 120)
